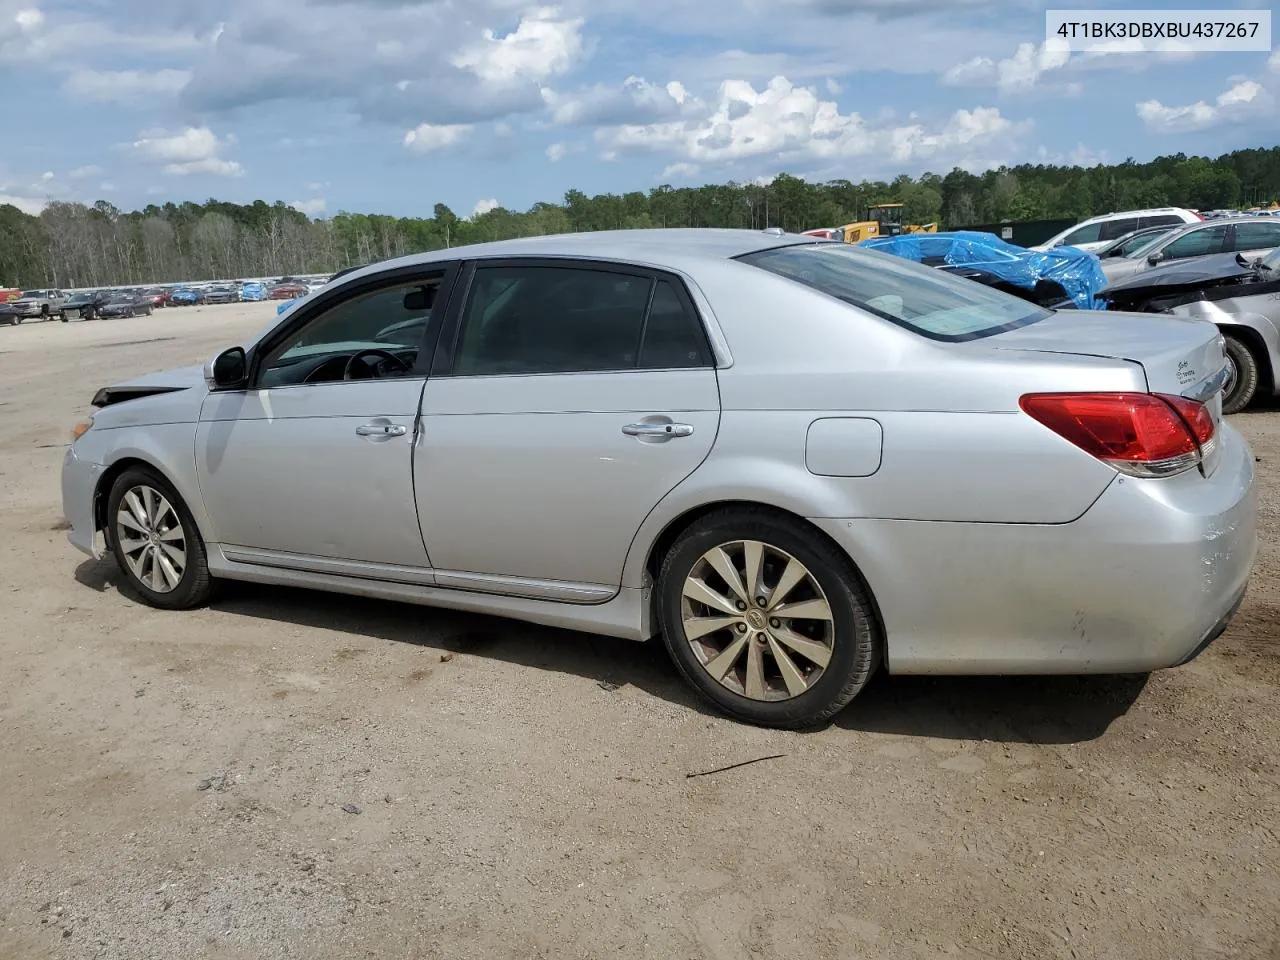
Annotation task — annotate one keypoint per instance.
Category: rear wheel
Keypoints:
(765, 620)
(1242, 375)
(155, 541)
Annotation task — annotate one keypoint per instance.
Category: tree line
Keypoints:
(76, 245)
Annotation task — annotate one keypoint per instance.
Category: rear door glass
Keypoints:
(927, 301)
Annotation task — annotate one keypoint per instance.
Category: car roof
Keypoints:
(1149, 211)
(670, 247)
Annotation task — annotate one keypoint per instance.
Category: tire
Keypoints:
(1243, 385)
(63, 317)
(154, 580)
(146, 311)
(17, 320)
(810, 693)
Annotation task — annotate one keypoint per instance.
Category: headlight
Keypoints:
(80, 429)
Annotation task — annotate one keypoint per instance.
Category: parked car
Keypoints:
(252, 291)
(124, 303)
(1125, 245)
(1238, 293)
(796, 460)
(158, 296)
(185, 297)
(222, 293)
(288, 291)
(83, 305)
(1098, 231)
(33, 304)
(1247, 235)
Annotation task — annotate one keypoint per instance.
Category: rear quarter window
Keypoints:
(924, 300)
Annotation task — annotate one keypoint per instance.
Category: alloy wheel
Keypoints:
(151, 538)
(757, 620)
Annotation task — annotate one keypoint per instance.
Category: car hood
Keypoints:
(1218, 266)
(166, 381)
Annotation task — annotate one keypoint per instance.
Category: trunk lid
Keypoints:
(1179, 355)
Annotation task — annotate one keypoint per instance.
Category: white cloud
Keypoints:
(542, 45)
(635, 101)
(1243, 101)
(1273, 62)
(484, 206)
(679, 171)
(1016, 73)
(833, 86)
(312, 208)
(791, 124)
(426, 137)
(83, 173)
(29, 205)
(557, 151)
(124, 86)
(187, 151)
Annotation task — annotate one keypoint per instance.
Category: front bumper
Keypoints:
(1145, 579)
(79, 487)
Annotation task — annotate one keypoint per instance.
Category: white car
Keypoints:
(1096, 232)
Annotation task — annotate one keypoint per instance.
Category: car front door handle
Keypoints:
(658, 430)
(381, 431)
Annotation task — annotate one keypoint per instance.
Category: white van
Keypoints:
(1096, 232)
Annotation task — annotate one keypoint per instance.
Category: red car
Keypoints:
(159, 296)
(287, 291)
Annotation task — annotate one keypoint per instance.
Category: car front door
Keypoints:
(309, 466)
(1200, 242)
(567, 398)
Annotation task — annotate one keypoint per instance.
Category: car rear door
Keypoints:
(1255, 239)
(566, 399)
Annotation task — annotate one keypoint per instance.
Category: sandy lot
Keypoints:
(174, 784)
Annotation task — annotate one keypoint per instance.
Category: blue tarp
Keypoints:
(1077, 271)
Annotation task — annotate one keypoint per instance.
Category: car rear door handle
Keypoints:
(658, 430)
(383, 430)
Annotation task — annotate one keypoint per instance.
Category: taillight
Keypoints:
(1141, 434)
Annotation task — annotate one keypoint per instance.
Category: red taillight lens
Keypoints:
(1142, 434)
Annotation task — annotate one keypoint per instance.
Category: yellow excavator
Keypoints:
(883, 220)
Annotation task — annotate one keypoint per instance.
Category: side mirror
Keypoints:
(1154, 258)
(227, 370)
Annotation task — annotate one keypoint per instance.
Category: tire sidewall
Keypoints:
(1247, 375)
(855, 650)
(195, 574)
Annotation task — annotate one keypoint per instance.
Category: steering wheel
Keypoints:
(384, 356)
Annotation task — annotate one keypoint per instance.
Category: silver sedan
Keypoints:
(797, 461)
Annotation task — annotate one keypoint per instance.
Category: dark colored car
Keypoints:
(83, 306)
(125, 303)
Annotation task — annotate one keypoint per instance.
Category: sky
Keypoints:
(392, 106)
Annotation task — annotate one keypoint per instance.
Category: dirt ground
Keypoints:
(289, 774)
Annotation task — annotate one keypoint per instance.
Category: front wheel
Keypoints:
(155, 541)
(765, 620)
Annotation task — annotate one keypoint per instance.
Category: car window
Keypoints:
(673, 337)
(391, 318)
(1089, 233)
(1161, 220)
(925, 300)
(534, 319)
(1196, 243)
(1144, 239)
(1257, 236)
(1111, 229)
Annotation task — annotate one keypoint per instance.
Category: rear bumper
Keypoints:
(1147, 578)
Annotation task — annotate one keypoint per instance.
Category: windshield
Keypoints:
(927, 301)
(1144, 246)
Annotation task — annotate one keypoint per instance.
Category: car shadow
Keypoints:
(1047, 710)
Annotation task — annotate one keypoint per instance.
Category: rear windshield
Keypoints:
(923, 299)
